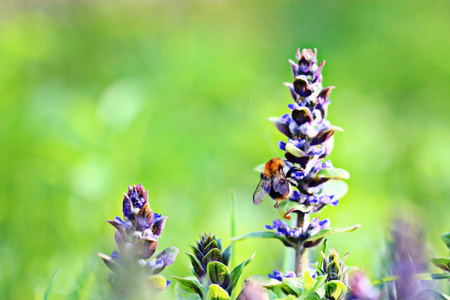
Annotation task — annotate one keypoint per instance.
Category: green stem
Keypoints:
(301, 255)
(419, 276)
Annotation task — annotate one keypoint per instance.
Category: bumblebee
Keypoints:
(273, 182)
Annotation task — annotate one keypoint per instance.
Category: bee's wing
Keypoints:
(281, 184)
(262, 190)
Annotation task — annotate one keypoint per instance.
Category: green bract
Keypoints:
(213, 279)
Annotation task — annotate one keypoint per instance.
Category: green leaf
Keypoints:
(196, 251)
(333, 173)
(213, 255)
(308, 281)
(189, 285)
(320, 260)
(196, 265)
(290, 297)
(335, 290)
(287, 207)
(294, 150)
(295, 285)
(217, 273)
(336, 188)
(263, 235)
(212, 245)
(329, 231)
(236, 273)
(182, 294)
(310, 296)
(215, 292)
(50, 285)
(442, 263)
(226, 254)
(445, 237)
(265, 281)
(157, 282)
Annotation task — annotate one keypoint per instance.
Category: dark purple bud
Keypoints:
(158, 226)
(302, 161)
(290, 86)
(148, 245)
(134, 200)
(323, 96)
(302, 115)
(306, 60)
(281, 126)
(301, 86)
(318, 73)
(304, 66)
(144, 218)
(127, 208)
(322, 136)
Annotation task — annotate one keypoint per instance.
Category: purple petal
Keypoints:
(144, 218)
(158, 226)
(148, 247)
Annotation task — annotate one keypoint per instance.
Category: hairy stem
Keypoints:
(301, 257)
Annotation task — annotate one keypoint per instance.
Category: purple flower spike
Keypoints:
(137, 239)
(301, 86)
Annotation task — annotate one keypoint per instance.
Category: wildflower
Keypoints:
(280, 276)
(309, 134)
(295, 235)
(136, 237)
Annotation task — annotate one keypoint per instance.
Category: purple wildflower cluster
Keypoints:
(137, 239)
(309, 135)
(295, 234)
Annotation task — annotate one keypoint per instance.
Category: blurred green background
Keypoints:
(176, 95)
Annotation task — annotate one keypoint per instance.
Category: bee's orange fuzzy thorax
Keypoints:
(272, 166)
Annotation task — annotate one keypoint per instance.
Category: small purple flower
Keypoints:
(282, 145)
(293, 106)
(330, 200)
(310, 199)
(295, 196)
(280, 227)
(280, 276)
(316, 150)
(317, 225)
(312, 270)
(298, 175)
(297, 143)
